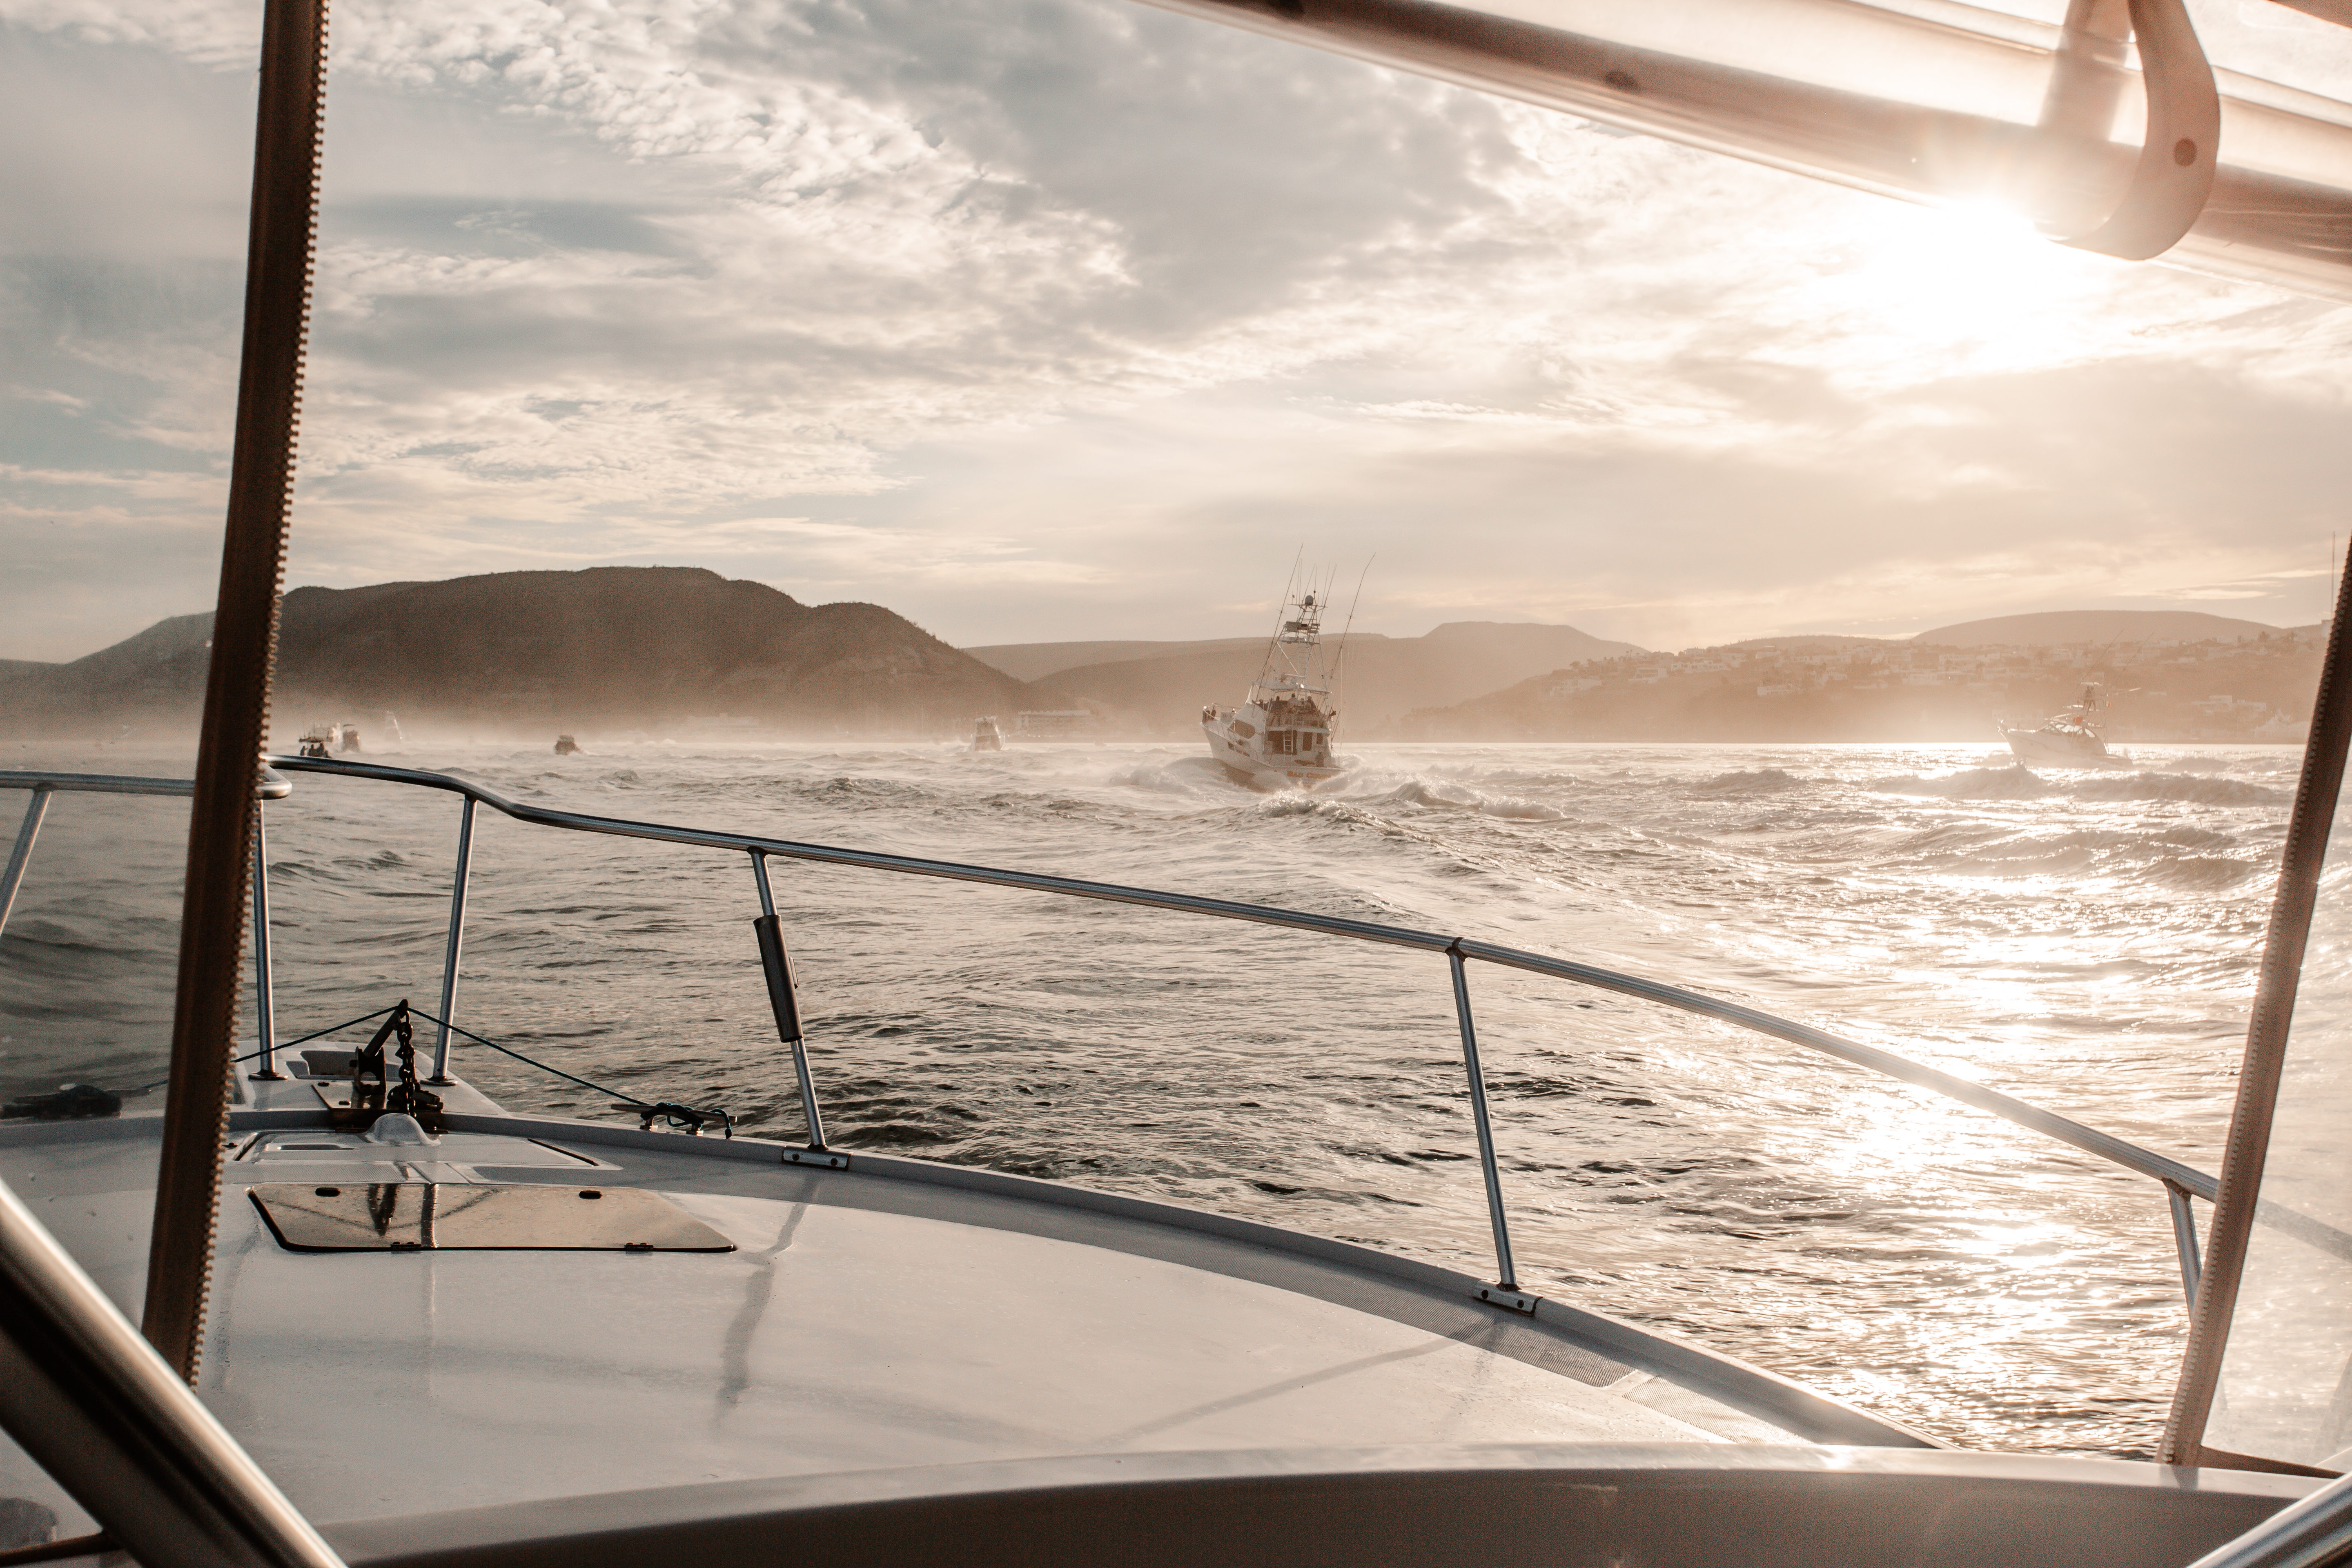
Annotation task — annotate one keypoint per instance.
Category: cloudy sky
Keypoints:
(1055, 319)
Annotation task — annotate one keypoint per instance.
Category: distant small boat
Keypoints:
(1282, 732)
(565, 745)
(327, 739)
(985, 735)
(2068, 739)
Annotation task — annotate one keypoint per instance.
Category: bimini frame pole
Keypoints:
(2266, 1036)
(237, 693)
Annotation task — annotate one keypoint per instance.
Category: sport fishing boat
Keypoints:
(329, 740)
(985, 735)
(383, 1319)
(1282, 734)
(2067, 739)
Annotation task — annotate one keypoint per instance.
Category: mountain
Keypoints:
(1380, 678)
(614, 647)
(2055, 626)
(1037, 660)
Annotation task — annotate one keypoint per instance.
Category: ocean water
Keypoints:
(2087, 941)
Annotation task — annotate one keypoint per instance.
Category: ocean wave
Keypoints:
(1444, 794)
(2181, 858)
(2015, 782)
(1757, 781)
(2201, 788)
(2023, 784)
(1192, 778)
(2200, 873)
(1516, 778)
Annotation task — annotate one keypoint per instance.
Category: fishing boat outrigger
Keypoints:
(1281, 734)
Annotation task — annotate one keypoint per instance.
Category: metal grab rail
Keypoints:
(2179, 1181)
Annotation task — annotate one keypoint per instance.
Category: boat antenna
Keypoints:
(1339, 657)
(1274, 639)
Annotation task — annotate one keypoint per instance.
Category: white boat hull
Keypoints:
(2049, 749)
(1275, 773)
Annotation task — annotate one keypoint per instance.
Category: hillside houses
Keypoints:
(1854, 688)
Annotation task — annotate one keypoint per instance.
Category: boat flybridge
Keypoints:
(382, 1320)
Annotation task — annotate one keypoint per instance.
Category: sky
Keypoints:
(1045, 319)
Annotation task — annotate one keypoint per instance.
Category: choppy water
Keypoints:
(2087, 941)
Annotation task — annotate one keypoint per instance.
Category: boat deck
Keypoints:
(889, 1315)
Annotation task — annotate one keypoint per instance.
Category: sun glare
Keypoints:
(1977, 282)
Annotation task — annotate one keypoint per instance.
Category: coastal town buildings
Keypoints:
(1860, 689)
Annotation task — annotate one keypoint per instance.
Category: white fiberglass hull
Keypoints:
(2049, 749)
(1275, 773)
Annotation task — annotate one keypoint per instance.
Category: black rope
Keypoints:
(676, 1115)
(670, 1111)
(282, 1046)
(315, 1034)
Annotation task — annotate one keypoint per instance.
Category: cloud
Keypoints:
(1075, 318)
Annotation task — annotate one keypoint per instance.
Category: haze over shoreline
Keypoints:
(657, 652)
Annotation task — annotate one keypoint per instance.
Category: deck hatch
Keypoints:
(456, 1217)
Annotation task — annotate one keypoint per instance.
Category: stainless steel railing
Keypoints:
(2181, 1182)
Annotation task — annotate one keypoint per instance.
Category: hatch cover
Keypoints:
(458, 1216)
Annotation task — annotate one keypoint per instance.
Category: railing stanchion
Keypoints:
(760, 875)
(781, 1000)
(35, 810)
(264, 1016)
(1509, 1280)
(2184, 1242)
(456, 940)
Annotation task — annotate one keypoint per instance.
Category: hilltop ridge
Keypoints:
(658, 647)
(1802, 689)
(1160, 687)
(2052, 629)
(609, 646)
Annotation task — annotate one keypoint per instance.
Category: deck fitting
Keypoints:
(1503, 1296)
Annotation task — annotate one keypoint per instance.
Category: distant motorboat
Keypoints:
(2067, 739)
(565, 745)
(1282, 732)
(330, 740)
(985, 735)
